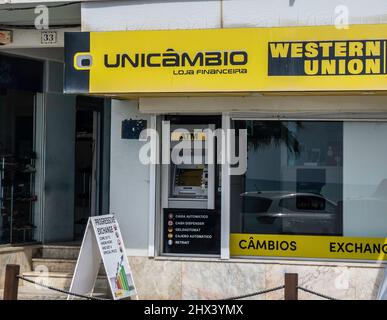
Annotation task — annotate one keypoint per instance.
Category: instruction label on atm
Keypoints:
(191, 231)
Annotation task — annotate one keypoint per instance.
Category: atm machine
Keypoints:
(190, 184)
(191, 223)
(189, 187)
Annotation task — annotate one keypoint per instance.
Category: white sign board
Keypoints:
(103, 242)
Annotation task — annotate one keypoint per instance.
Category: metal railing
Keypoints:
(290, 287)
(11, 285)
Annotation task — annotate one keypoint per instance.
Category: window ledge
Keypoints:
(279, 261)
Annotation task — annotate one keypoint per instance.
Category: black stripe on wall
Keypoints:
(76, 81)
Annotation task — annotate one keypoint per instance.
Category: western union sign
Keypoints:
(227, 60)
(327, 58)
(323, 247)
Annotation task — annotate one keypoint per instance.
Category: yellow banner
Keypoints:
(229, 60)
(323, 247)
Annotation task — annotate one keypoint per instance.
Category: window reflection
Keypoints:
(293, 183)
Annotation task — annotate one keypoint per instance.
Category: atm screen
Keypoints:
(189, 177)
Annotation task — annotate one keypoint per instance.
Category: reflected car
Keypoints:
(282, 212)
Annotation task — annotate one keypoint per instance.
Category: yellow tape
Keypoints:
(323, 247)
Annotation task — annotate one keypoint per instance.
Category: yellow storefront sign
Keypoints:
(322, 247)
(228, 60)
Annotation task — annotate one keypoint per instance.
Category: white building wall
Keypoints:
(150, 15)
(30, 37)
(196, 14)
(279, 13)
(129, 180)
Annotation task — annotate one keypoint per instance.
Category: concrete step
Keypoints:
(68, 252)
(53, 265)
(58, 265)
(59, 280)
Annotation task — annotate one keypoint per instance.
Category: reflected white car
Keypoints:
(290, 213)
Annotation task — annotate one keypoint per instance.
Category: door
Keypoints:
(58, 217)
(96, 169)
(88, 149)
(87, 167)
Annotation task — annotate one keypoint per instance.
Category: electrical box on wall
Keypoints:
(131, 129)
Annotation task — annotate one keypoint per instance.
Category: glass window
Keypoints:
(294, 179)
(312, 178)
(365, 179)
(312, 189)
(17, 167)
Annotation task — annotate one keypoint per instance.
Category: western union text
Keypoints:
(325, 58)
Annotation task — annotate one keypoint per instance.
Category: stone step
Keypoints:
(53, 265)
(58, 252)
(59, 280)
(58, 265)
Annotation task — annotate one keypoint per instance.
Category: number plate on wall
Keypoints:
(48, 37)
